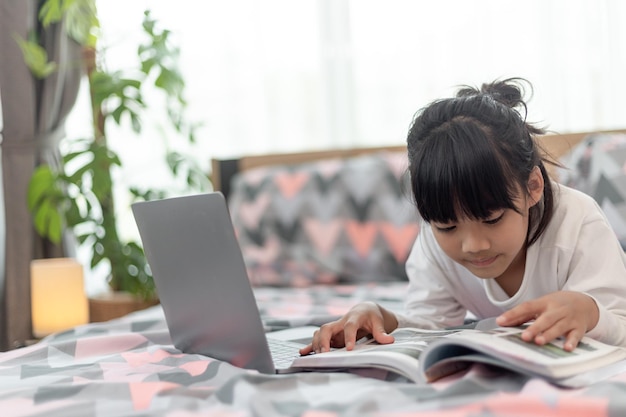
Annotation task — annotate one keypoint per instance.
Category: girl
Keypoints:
(498, 238)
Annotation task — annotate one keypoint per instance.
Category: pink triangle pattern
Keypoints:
(290, 184)
(323, 235)
(196, 368)
(251, 213)
(397, 163)
(399, 238)
(143, 392)
(362, 236)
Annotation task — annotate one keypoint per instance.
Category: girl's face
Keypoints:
(493, 247)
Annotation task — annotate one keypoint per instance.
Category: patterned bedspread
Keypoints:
(127, 367)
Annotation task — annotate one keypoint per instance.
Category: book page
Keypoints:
(508, 341)
(505, 345)
(400, 357)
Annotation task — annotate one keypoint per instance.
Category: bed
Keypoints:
(128, 367)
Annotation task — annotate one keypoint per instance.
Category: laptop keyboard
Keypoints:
(283, 351)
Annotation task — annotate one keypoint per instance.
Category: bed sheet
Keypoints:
(128, 367)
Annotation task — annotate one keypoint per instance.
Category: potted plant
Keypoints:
(80, 196)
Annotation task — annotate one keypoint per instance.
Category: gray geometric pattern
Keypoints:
(597, 167)
(331, 221)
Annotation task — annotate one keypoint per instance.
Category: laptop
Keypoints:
(203, 286)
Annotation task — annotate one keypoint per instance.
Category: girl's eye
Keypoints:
(494, 220)
(445, 229)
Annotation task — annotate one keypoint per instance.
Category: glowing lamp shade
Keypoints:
(58, 299)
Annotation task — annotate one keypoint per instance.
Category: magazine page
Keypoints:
(400, 357)
(505, 347)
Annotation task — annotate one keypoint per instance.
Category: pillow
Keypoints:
(597, 167)
(331, 221)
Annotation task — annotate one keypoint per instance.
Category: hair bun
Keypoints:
(509, 92)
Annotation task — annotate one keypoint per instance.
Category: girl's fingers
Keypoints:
(544, 328)
(572, 340)
(381, 336)
(550, 327)
(349, 334)
(522, 313)
(306, 350)
(322, 338)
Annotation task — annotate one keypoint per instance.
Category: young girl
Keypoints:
(498, 238)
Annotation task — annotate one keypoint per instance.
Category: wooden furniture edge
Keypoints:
(223, 169)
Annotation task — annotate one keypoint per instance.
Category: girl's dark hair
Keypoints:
(470, 155)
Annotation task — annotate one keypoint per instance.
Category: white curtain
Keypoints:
(284, 75)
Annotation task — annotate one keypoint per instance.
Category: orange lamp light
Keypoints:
(58, 299)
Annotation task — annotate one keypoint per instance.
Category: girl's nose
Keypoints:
(475, 242)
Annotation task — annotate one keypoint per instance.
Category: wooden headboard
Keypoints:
(556, 145)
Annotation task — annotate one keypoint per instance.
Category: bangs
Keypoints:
(462, 176)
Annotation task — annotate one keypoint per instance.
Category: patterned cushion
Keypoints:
(332, 221)
(597, 166)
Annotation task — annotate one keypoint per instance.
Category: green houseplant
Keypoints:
(80, 196)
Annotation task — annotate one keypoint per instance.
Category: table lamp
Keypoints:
(58, 299)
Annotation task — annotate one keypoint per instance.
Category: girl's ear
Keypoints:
(535, 186)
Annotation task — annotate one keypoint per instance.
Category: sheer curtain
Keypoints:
(283, 75)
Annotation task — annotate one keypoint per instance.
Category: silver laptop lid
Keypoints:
(201, 279)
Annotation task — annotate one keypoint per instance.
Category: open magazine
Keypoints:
(428, 355)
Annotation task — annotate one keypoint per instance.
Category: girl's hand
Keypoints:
(562, 313)
(363, 319)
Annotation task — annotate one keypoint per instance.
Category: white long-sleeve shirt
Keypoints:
(578, 251)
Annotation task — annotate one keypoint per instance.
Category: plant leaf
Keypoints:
(81, 21)
(47, 221)
(41, 181)
(51, 12)
(36, 58)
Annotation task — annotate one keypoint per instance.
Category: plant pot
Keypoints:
(115, 304)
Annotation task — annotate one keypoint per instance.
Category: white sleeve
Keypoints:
(598, 269)
(429, 302)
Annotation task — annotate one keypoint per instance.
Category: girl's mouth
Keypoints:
(483, 262)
